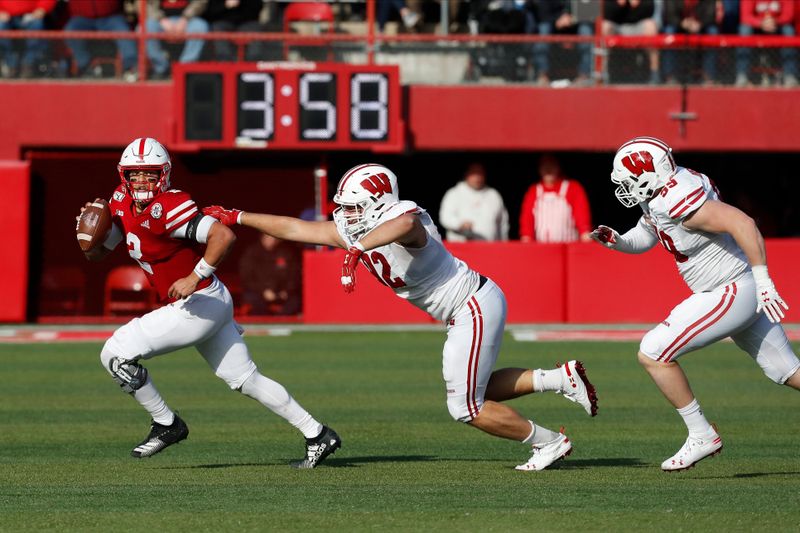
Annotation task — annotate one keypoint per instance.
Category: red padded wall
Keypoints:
(15, 177)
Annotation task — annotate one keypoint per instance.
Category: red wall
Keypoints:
(577, 283)
(15, 177)
(439, 118)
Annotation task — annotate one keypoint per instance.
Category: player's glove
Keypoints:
(349, 267)
(606, 236)
(229, 217)
(769, 301)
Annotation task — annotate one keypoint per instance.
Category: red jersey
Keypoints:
(165, 259)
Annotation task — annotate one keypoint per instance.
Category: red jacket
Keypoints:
(575, 197)
(754, 11)
(17, 8)
(94, 9)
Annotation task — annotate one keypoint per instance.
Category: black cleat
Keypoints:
(160, 437)
(318, 448)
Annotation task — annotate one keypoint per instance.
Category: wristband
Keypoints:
(760, 273)
(203, 269)
(360, 247)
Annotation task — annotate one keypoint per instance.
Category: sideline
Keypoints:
(33, 334)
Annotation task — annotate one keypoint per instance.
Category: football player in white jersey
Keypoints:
(720, 253)
(399, 244)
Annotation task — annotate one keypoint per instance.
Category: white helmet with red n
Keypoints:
(641, 167)
(145, 153)
(364, 194)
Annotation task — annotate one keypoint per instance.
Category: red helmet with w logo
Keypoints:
(641, 166)
(363, 194)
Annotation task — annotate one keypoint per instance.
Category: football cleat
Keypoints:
(576, 386)
(548, 453)
(694, 450)
(318, 448)
(160, 437)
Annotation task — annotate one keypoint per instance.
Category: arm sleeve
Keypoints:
(526, 221)
(580, 207)
(448, 211)
(638, 239)
(195, 229)
(114, 237)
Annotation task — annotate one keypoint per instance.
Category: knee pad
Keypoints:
(457, 406)
(129, 375)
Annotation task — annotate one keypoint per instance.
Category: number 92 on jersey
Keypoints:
(290, 106)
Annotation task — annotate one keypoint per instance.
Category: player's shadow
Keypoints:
(342, 462)
(748, 475)
(575, 464)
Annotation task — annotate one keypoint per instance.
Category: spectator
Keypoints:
(235, 15)
(730, 16)
(554, 16)
(691, 17)
(767, 17)
(473, 211)
(408, 11)
(554, 209)
(270, 271)
(175, 18)
(633, 17)
(100, 15)
(23, 15)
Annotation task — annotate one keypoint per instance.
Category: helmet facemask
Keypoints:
(145, 154)
(364, 194)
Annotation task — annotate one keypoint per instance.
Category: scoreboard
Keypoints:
(289, 106)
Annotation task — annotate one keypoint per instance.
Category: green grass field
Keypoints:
(66, 432)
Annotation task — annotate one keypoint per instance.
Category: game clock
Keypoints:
(289, 106)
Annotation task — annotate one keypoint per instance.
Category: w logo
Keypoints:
(638, 163)
(378, 185)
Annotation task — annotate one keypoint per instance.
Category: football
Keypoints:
(94, 225)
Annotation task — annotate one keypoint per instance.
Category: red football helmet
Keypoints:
(145, 153)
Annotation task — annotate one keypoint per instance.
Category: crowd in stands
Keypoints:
(178, 18)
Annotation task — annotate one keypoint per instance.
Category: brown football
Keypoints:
(94, 225)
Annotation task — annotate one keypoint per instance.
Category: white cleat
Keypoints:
(694, 450)
(548, 453)
(577, 388)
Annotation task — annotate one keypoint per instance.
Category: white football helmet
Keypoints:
(641, 166)
(363, 194)
(145, 153)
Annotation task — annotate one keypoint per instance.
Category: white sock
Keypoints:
(539, 435)
(152, 401)
(694, 419)
(547, 380)
(276, 398)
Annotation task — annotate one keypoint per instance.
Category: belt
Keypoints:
(483, 280)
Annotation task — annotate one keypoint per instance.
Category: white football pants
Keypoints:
(474, 336)
(730, 311)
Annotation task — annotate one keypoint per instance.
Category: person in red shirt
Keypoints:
(23, 15)
(554, 209)
(767, 17)
(179, 249)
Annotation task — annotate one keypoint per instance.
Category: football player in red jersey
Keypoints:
(165, 233)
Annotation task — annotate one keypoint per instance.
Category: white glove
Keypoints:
(606, 236)
(769, 301)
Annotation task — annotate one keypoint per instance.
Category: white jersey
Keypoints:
(705, 260)
(430, 277)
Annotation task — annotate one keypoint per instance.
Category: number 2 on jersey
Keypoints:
(385, 277)
(135, 251)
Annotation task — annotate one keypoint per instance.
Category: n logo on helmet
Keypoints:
(638, 163)
(378, 184)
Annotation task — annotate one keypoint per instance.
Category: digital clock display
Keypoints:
(289, 106)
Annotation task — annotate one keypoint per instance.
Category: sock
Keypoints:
(152, 401)
(276, 398)
(539, 435)
(546, 380)
(694, 419)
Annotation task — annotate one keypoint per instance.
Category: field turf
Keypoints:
(66, 432)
